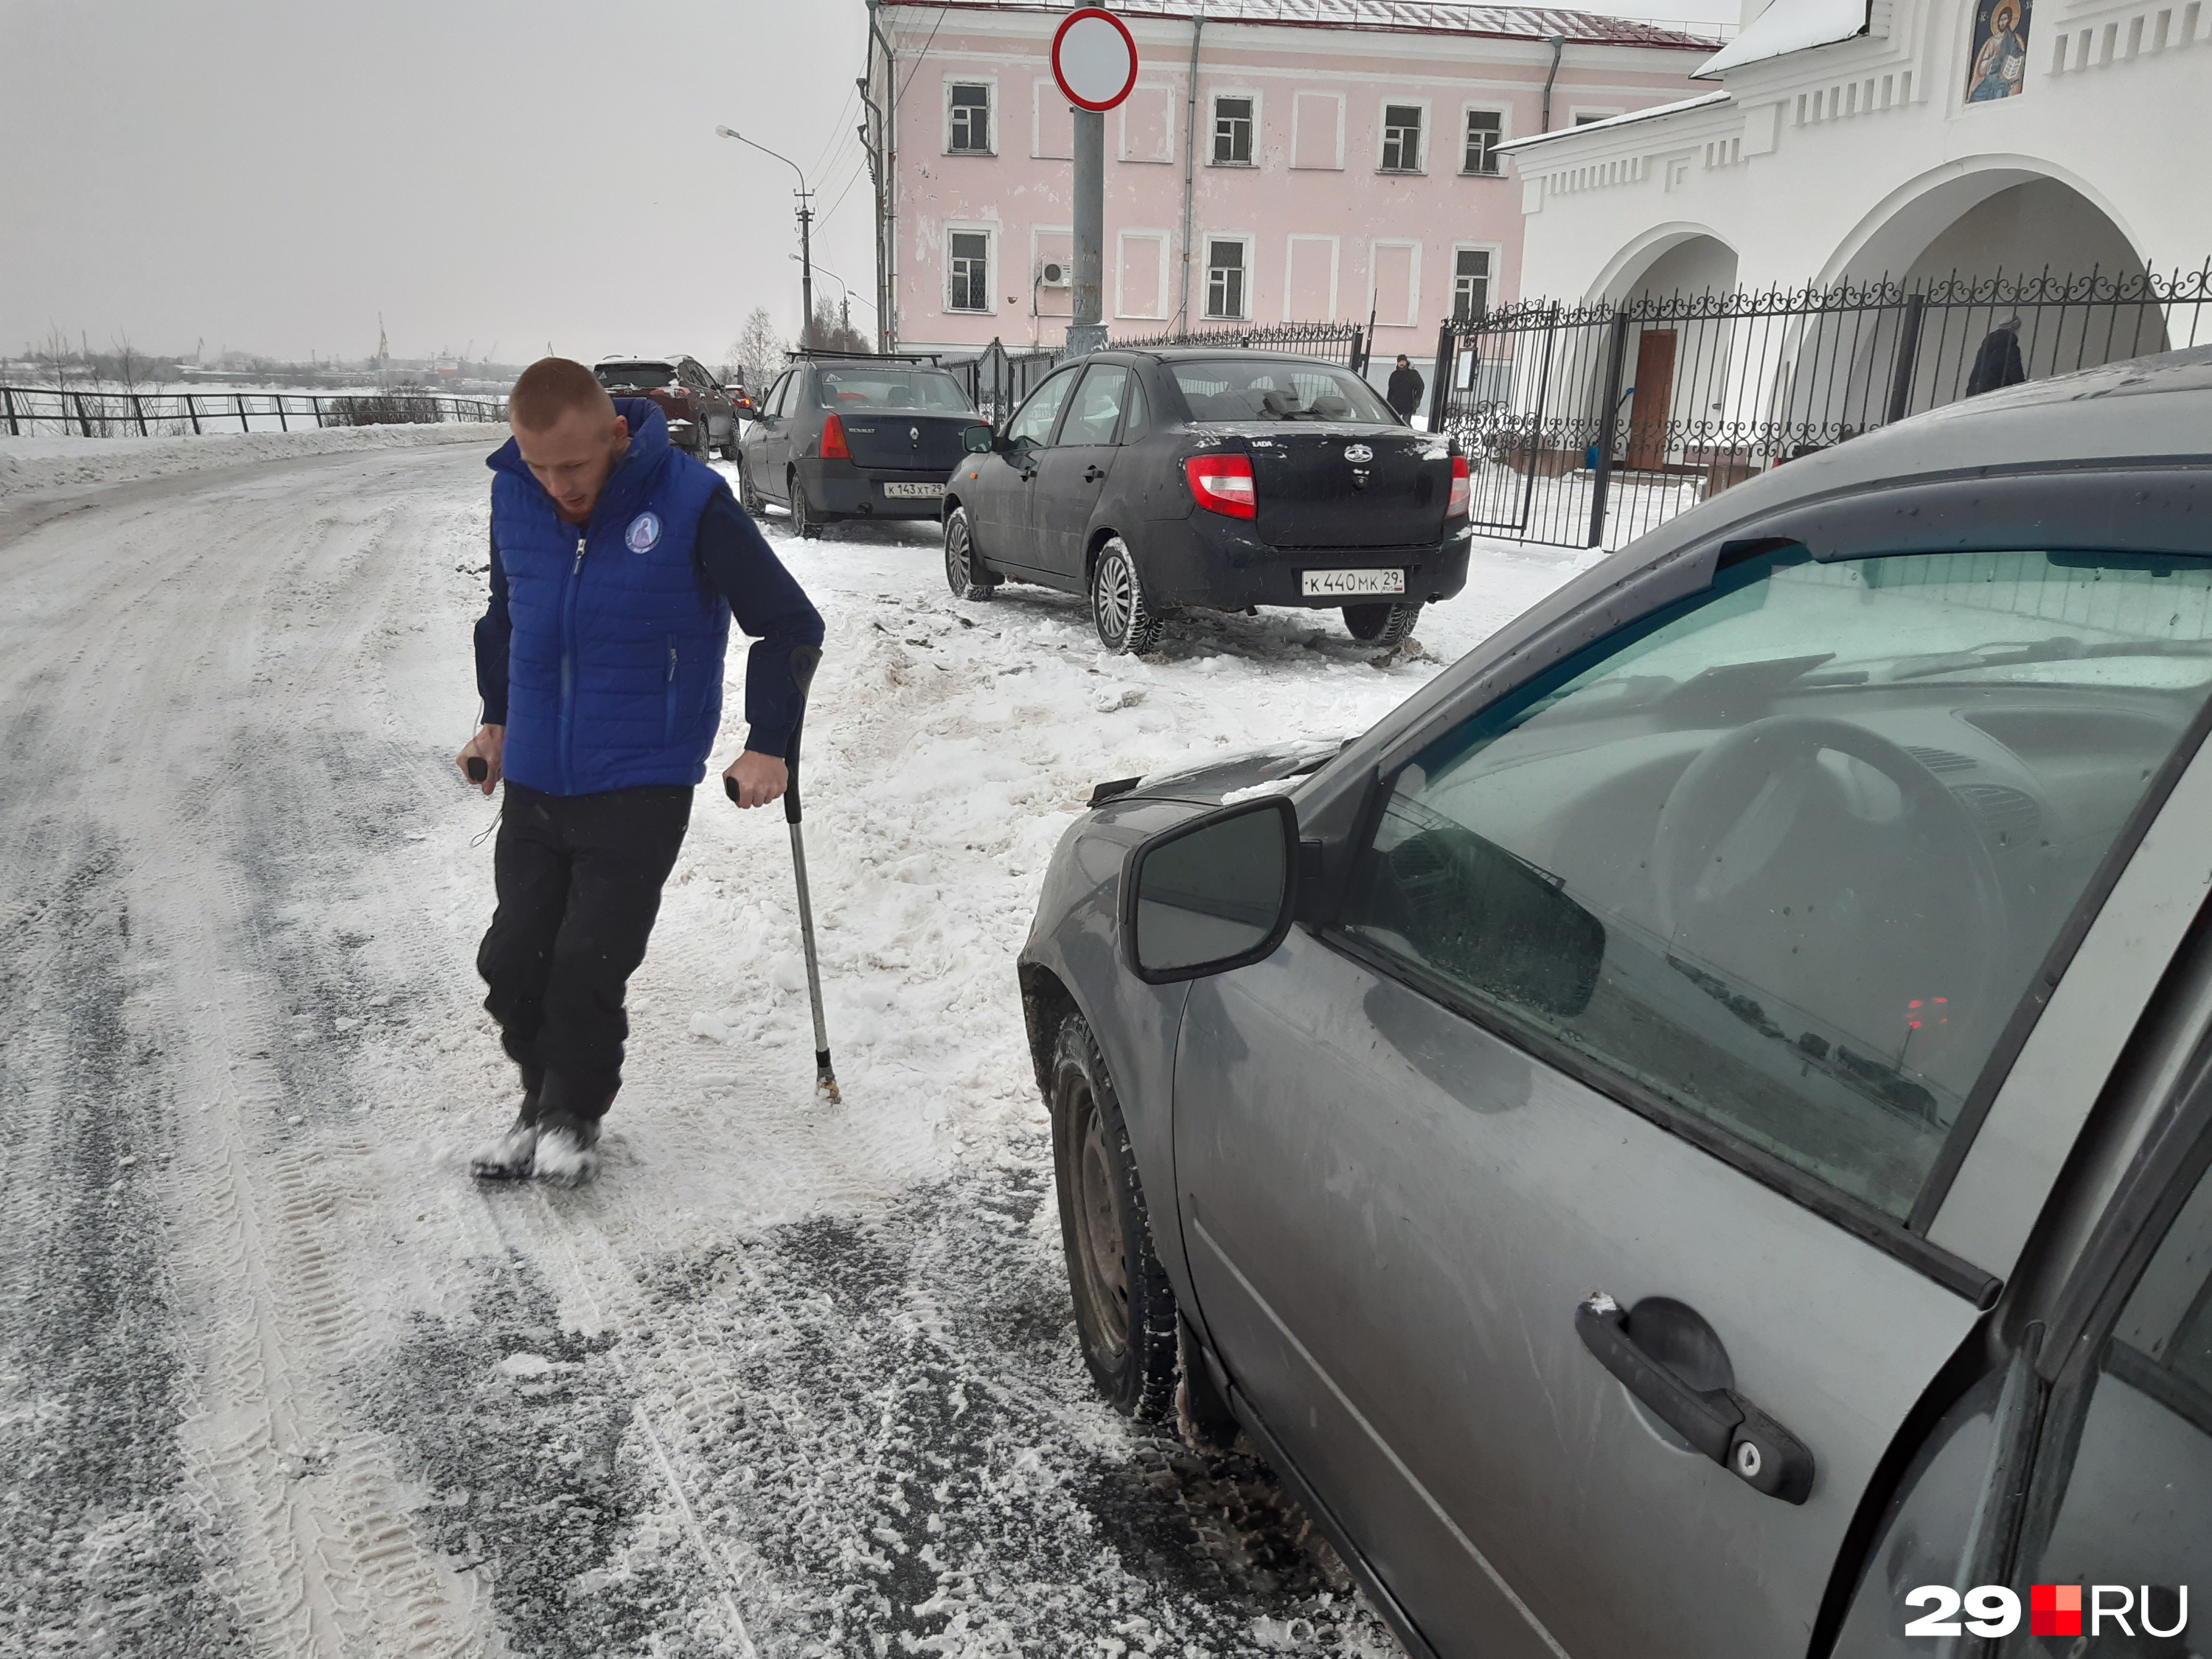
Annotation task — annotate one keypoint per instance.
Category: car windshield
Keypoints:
(892, 388)
(636, 377)
(1270, 389)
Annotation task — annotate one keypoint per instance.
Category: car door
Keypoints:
(1071, 471)
(1002, 493)
(768, 452)
(709, 399)
(1595, 1138)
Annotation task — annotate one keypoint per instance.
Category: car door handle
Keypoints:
(1093, 474)
(1719, 1422)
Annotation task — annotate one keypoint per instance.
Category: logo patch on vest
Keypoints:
(644, 531)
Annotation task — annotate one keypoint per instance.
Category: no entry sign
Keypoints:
(1094, 58)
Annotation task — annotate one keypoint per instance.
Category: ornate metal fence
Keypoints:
(996, 379)
(34, 411)
(1590, 425)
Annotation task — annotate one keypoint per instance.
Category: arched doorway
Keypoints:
(1676, 379)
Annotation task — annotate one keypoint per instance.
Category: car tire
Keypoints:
(1118, 611)
(1385, 625)
(963, 572)
(749, 496)
(1126, 1319)
(803, 523)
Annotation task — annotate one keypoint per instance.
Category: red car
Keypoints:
(702, 412)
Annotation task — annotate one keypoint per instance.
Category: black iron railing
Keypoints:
(1591, 424)
(996, 379)
(31, 411)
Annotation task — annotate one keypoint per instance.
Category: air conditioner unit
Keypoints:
(1054, 274)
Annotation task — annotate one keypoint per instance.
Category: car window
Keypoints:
(875, 389)
(1097, 407)
(1786, 857)
(1270, 389)
(785, 393)
(2133, 1517)
(1032, 422)
(1139, 422)
(619, 378)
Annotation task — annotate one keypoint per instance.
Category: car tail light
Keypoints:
(1463, 491)
(1223, 484)
(834, 448)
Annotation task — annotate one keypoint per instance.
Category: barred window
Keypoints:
(1483, 130)
(1224, 279)
(1232, 131)
(970, 263)
(971, 120)
(1401, 138)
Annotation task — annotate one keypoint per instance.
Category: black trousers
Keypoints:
(579, 879)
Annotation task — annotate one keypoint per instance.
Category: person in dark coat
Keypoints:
(1998, 362)
(1404, 392)
(618, 563)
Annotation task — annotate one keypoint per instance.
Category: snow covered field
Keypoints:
(276, 1378)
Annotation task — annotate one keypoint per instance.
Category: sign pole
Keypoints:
(1094, 58)
(1087, 333)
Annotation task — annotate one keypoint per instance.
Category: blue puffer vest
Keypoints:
(615, 668)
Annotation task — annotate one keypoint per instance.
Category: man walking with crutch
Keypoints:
(617, 564)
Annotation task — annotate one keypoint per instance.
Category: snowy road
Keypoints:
(277, 1379)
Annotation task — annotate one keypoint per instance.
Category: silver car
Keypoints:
(1689, 1139)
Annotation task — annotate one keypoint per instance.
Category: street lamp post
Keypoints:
(806, 234)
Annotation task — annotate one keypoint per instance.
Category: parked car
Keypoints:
(839, 437)
(702, 416)
(1202, 478)
(1690, 1140)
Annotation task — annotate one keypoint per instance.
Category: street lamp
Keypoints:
(805, 234)
(844, 287)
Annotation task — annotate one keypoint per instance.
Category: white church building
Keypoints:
(1847, 141)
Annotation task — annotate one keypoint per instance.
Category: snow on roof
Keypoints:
(1387, 16)
(1698, 102)
(1789, 26)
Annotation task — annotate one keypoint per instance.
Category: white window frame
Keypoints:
(1164, 239)
(1336, 98)
(990, 85)
(1382, 135)
(1206, 242)
(1213, 97)
(1504, 114)
(1291, 266)
(1174, 106)
(1043, 94)
(989, 233)
(1581, 114)
(1497, 253)
(1375, 247)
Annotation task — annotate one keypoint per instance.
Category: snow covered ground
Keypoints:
(57, 460)
(276, 1378)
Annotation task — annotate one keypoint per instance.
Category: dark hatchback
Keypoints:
(1152, 480)
(853, 438)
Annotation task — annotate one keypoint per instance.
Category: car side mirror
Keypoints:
(1212, 895)
(746, 410)
(978, 440)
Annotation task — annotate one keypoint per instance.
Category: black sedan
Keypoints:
(1147, 480)
(853, 438)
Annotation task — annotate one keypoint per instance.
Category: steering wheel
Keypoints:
(1722, 785)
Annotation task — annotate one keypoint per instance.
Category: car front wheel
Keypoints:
(1385, 625)
(1125, 1309)
(1124, 622)
(963, 574)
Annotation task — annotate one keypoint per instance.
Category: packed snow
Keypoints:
(55, 460)
(787, 1379)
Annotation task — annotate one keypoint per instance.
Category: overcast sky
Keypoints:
(489, 174)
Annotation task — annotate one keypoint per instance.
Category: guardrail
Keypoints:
(33, 411)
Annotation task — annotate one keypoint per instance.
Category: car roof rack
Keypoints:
(822, 354)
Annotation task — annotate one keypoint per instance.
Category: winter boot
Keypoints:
(510, 1157)
(564, 1151)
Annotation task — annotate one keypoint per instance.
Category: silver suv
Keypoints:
(1689, 1139)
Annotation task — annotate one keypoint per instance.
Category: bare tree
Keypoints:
(834, 330)
(756, 354)
(52, 356)
(131, 364)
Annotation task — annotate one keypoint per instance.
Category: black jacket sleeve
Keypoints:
(494, 630)
(768, 604)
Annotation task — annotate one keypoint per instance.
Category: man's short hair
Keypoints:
(550, 388)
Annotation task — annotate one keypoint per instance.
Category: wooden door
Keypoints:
(1654, 393)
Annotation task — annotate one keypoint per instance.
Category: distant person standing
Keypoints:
(1404, 393)
(617, 564)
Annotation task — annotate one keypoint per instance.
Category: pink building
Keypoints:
(1280, 161)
